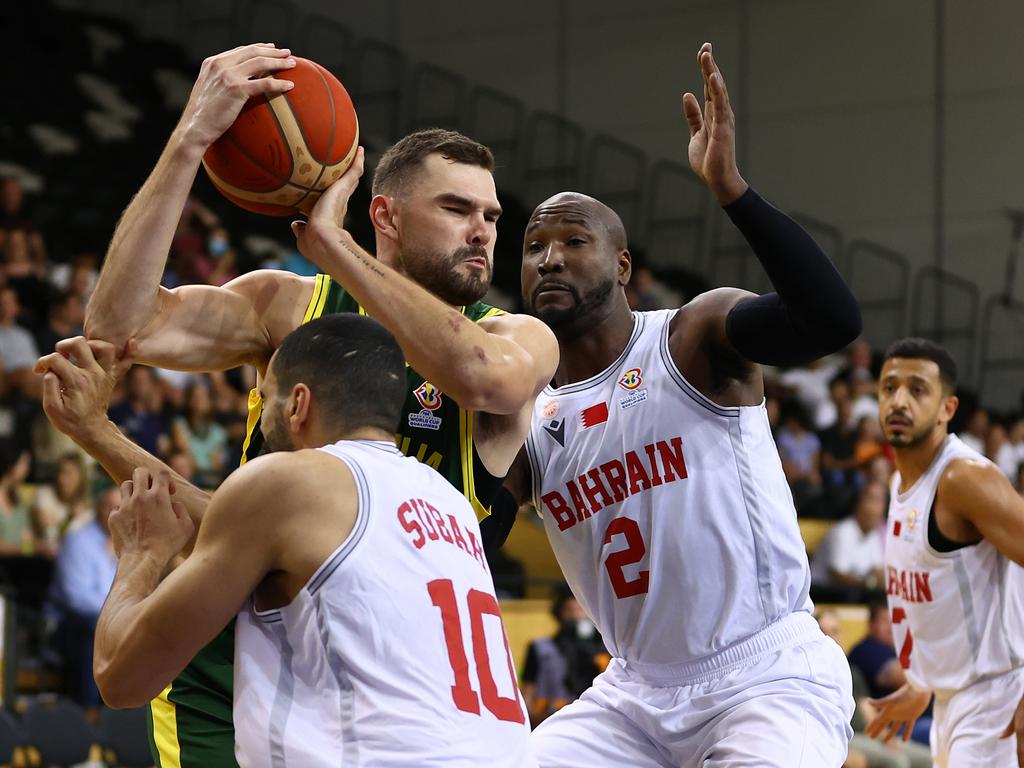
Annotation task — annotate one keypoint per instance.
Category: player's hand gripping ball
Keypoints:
(283, 151)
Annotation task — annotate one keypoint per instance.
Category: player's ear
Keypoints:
(298, 408)
(625, 267)
(382, 214)
(948, 408)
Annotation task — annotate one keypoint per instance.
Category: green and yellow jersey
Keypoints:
(191, 721)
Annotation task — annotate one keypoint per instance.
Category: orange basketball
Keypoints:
(283, 151)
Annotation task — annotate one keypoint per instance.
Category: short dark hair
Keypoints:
(352, 365)
(922, 349)
(397, 165)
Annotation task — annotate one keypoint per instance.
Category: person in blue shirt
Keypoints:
(83, 573)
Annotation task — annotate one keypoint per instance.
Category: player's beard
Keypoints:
(438, 273)
(276, 436)
(910, 439)
(584, 312)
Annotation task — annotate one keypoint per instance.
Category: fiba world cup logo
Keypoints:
(631, 379)
(429, 396)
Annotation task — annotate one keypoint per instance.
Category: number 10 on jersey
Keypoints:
(442, 595)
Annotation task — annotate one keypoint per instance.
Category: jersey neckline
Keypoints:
(903, 497)
(639, 321)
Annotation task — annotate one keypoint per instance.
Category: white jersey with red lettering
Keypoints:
(670, 515)
(394, 653)
(956, 615)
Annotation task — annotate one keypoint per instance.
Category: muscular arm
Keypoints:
(496, 366)
(979, 493)
(202, 328)
(128, 301)
(812, 312)
(138, 250)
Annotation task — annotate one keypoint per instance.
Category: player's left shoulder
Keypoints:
(285, 479)
(969, 484)
(708, 309)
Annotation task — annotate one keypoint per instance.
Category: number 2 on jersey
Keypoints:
(633, 553)
(898, 615)
(442, 595)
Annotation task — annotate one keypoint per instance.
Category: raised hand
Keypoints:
(225, 83)
(328, 215)
(712, 149)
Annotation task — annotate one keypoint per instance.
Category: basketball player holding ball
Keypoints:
(474, 370)
(652, 464)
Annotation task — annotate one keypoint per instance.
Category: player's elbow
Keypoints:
(500, 394)
(99, 324)
(116, 685)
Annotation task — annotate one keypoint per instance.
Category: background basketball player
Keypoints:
(954, 546)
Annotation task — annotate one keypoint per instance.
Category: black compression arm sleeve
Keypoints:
(812, 312)
(494, 528)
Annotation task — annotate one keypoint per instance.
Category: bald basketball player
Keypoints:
(652, 464)
(474, 369)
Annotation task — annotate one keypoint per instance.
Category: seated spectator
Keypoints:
(181, 462)
(851, 556)
(866, 752)
(223, 260)
(18, 351)
(138, 415)
(26, 278)
(800, 451)
(15, 526)
(859, 370)
(879, 470)
(79, 276)
(14, 215)
(875, 658)
(870, 442)
(645, 292)
(230, 391)
(201, 437)
(62, 506)
(974, 434)
(559, 668)
(65, 320)
(999, 451)
(838, 442)
(809, 384)
(82, 577)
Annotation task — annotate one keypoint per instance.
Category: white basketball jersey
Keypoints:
(670, 515)
(958, 617)
(394, 653)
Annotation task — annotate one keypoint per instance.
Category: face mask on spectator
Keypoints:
(218, 246)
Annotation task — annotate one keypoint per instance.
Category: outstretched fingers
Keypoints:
(692, 113)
